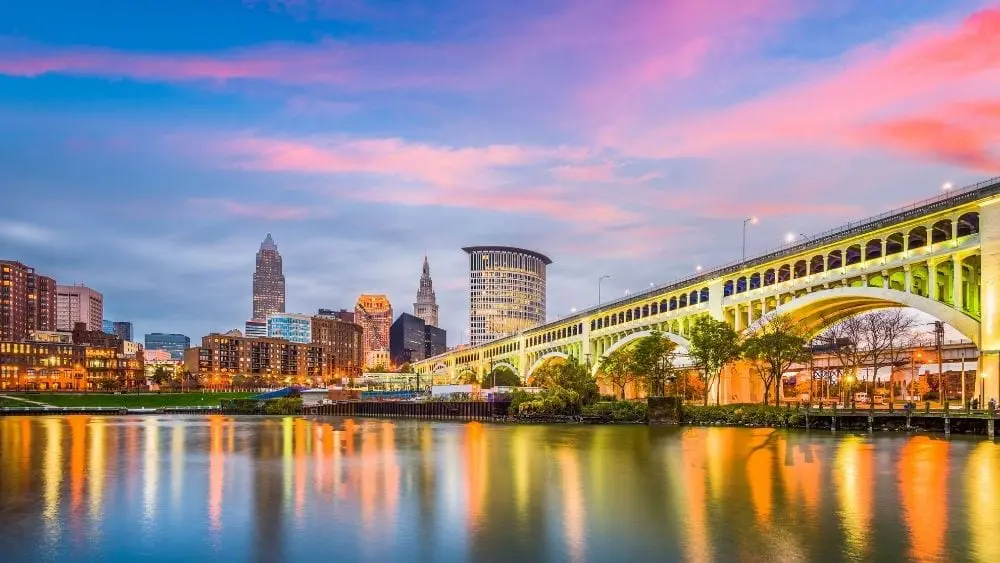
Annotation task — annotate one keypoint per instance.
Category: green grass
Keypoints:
(147, 400)
(5, 402)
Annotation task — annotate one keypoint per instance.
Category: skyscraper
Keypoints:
(173, 343)
(374, 314)
(121, 329)
(426, 306)
(79, 304)
(268, 281)
(506, 291)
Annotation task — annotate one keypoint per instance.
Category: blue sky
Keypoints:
(146, 148)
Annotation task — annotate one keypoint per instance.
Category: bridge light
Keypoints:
(697, 268)
(790, 237)
(947, 186)
(753, 220)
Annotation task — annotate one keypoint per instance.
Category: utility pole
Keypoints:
(942, 382)
(962, 356)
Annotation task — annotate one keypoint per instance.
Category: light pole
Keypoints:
(599, 281)
(747, 221)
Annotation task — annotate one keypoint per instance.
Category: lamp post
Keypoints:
(747, 221)
(599, 281)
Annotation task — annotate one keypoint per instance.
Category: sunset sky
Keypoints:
(146, 148)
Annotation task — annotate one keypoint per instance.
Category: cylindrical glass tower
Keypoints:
(506, 291)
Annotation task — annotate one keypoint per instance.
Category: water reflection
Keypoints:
(269, 489)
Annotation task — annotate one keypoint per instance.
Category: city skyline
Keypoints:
(379, 158)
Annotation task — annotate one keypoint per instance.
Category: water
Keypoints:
(285, 489)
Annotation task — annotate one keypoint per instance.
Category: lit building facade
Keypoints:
(344, 340)
(173, 343)
(79, 304)
(435, 341)
(255, 329)
(225, 359)
(290, 326)
(374, 313)
(268, 281)
(426, 306)
(342, 314)
(506, 291)
(27, 301)
(50, 366)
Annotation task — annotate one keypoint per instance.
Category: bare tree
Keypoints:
(877, 339)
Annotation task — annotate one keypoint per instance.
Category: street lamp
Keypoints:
(947, 186)
(599, 281)
(747, 221)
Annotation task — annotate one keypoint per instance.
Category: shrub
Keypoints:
(550, 402)
(284, 406)
(619, 411)
(743, 415)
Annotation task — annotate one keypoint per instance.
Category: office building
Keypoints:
(78, 304)
(223, 359)
(406, 339)
(506, 291)
(268, 281)
(290, 326)
(173, 343)
(27, 301)
(344, 340)
(435, 341)
(426, 305)
(121, 329)
(343, 314)
(255, 329)
(374, 313)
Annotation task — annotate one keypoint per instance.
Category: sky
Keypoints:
(146, 148)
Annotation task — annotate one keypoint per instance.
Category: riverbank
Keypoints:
(127, 401)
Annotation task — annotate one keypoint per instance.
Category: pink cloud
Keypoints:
(267, 212)
(927, 66)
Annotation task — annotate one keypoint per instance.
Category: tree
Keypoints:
(162, 374)
(619, 367)
(653, 360)
(777, 345)
(714, 344)
(877, 339)
(501, 376)
(570, 375)
(405, 367)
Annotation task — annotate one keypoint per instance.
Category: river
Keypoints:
(154, 489)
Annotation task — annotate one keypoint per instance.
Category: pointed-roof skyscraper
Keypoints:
(426, 306)
(268, 281)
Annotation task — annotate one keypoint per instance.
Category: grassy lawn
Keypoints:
(148, 400)
(5, 402)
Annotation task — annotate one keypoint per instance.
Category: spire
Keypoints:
(427, 267)
(268, 243)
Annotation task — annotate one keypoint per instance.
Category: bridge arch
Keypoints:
(439, 368)
(542, 360)
(507, 365)
(819, 310)
(680, 341)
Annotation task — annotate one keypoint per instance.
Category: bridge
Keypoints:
(940, 256)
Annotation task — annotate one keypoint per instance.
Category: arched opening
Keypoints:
(968, 224)
(741, 284)
(873, 249)
(628, 315)
(834, 260)
(917, 238)
(727, 289)
(853, 255)
(784, 273)
(621, 318)
(636, 314)
(663, 306)
(550, 358)
(703, 297)
(683, 301)
(693, 298)
(673, 303)
(941, 231)
(769, 277)
(654, 308)
(800, 270)
(755, 281)
(817, 264)
(894, 244)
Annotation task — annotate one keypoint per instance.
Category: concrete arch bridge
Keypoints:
(940, 256)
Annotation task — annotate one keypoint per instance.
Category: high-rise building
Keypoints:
(268, 281)
(173, 343)
(374, 313)
(506, 291)
(290, 326)
(435, 341)
(426, 305)
(27, 301)
(255, 329)
(344, 340)
(406, 339)
(79, 304)
(121, 329)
